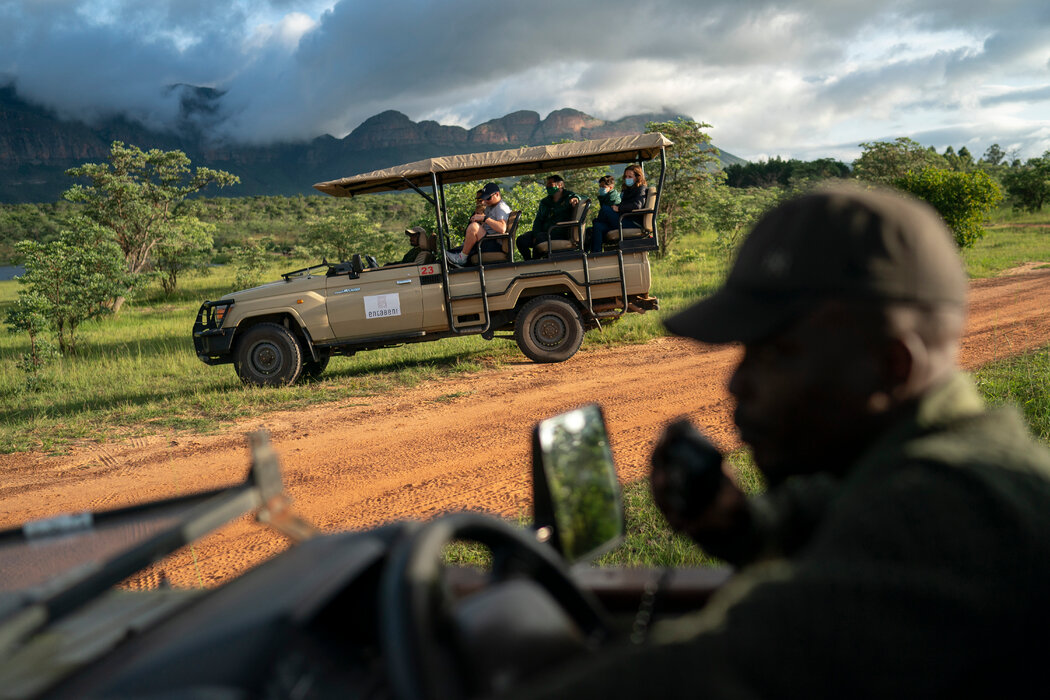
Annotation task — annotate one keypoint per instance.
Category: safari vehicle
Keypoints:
(355, 614)
(279, 332)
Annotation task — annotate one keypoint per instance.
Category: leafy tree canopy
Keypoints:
(883, 162)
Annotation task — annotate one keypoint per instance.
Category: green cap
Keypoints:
(840, 243)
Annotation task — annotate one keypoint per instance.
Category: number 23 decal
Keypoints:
(427, 270)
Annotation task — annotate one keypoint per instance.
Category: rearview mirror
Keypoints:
(576, 493)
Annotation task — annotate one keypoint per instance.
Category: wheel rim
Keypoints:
(266, 358)
(550, 330)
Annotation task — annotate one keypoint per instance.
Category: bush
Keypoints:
(963, 199)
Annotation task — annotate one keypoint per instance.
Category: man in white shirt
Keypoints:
(493, 221)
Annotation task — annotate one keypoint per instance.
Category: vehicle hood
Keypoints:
(306, 283)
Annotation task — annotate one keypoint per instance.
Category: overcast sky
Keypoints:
(795, 79)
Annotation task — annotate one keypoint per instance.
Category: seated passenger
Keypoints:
(416, 254)
(556, 207)
(493, 220)
(632, 197)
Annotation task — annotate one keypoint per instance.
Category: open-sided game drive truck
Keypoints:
(279, 332)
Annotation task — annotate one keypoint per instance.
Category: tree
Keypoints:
(733, 211)
(72, 279)
(693, 171)
(28, 314)
(339, 236)
(250, 260)
(882, 162)
(187, 248)
(962, 199)
(994, 155)
(136, 196)
(1029, 184)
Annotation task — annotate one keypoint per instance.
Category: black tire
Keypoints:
(548, 329)
(268, 355)
(313, 370)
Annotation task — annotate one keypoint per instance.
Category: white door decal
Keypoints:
(382, 306)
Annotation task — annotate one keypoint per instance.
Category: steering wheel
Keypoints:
(414, 606)
(372, 262)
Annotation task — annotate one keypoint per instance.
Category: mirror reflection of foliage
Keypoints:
(583, 486)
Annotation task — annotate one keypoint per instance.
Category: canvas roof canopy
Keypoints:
(495, 164)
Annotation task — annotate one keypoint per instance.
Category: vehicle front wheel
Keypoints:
(268, 355)
(548, 329)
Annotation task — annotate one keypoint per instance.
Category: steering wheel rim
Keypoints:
(412, 602)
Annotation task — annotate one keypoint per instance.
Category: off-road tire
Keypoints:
(313, 370)
(268, 355)
(548, 329)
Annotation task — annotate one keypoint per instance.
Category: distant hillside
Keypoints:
(36, 147)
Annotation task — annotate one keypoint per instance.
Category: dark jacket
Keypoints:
(550, 212)
(632, 198)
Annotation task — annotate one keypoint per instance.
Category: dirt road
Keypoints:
(449, 444)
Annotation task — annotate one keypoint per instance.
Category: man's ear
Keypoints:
(907, 364)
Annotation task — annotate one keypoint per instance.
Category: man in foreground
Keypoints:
(903, 547)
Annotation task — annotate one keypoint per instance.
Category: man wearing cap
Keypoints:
(494, 221)
(415, 253)
(557, 207)
(903, 546)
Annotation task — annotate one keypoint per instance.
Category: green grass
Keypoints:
(137, 374)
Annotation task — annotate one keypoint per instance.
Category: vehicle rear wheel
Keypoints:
(548, 329)
(313, 370)
(268, 355)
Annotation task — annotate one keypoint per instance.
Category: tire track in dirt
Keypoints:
(456, 443)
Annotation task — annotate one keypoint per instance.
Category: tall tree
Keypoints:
(136, 196)
(693, 171)
(1029, 184)
(994, 155)
(72, 279)
(882, 162)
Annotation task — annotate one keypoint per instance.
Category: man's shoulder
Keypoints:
(502, 207)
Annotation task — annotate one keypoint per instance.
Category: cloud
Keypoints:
(772, 76)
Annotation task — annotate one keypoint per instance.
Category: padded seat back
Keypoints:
(579, 213)
(505, 240)
(637, 226)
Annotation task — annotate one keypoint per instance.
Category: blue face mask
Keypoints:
(629, 181)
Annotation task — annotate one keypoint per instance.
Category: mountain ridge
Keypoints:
(37, 146)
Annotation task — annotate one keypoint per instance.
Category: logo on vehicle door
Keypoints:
(382, 306)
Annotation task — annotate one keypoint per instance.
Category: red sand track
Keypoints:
(448, 444)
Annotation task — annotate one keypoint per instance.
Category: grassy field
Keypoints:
(137, 374)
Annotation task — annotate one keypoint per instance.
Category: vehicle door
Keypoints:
(380, 302)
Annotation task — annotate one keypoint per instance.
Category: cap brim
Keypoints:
(728, 316)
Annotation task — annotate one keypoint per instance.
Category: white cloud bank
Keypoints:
(796, 79)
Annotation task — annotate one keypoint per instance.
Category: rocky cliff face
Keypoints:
(36, 147)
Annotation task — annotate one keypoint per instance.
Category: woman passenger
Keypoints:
(632, 198)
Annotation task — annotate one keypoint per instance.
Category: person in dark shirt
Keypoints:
(902, 549)
(557, 207)
(632, 198)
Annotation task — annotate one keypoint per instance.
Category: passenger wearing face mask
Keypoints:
(555, 208)
(632, 197)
